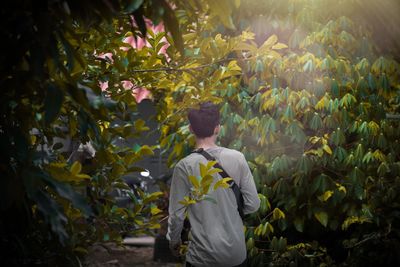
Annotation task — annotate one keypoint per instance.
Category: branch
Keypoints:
(170, 69)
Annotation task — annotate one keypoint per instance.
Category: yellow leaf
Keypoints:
(59, 165)
(269, 42)
(152, 197)
(81, 250)
(145, 150)
(206, 182)
(203, 170)
(139, 222)
(279, 46)
(187, 201)
(314, 139)
(210, 164)
(354, 219)
(321, 104)
(155, 210)
(270, 103)
(327, 149)
(33, 139)
(325, 196)
(379, 155)
(222, 183)
(214, 170)
(245, 47)
(374, 127)
(194, 181)
(278, 214)
(247, 35)
(232, 65)
(341, 188)
(76, 168)
(83, 176)
(155, 226)
(140, 126)
(267, 228)
(322, 217)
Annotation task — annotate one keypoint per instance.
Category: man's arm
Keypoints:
(248, 188)
(179, 189)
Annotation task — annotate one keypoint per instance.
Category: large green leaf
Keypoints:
(52, 103)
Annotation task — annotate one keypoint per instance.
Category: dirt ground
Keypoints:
(110, 255)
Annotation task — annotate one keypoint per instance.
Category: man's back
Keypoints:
(217, 235)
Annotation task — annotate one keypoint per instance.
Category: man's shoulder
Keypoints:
(226, 153)
(231, 153)
(186, 160)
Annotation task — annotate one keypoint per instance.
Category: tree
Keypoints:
(306, 95)
(308, 91)
(54, 208)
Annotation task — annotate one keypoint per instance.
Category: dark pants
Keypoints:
(243, 264)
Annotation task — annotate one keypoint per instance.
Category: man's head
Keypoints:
(204, 122)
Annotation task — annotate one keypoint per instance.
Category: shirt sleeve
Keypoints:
(248, 189)
(179, 189)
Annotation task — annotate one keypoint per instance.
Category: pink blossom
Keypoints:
(103, 85)
(141, 42)
(127, 85)
(108, 55)
(159, 28)
(141, 93)
(129, 40)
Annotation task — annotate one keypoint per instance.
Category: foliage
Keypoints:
(308, 92)
(53, 206)
(204, 185)
(308, 99)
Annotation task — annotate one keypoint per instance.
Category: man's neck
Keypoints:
(206, 143)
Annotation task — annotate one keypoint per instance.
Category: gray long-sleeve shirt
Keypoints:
(217, 233)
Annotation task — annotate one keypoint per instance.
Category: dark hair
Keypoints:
(204, 120)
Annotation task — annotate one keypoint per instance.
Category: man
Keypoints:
(217, 234)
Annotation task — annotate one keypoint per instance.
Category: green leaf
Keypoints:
(140, 125)
(106, 237)
(299, 224)
(322, 217)
(316, 122)
(222, 9)
(172, 25)
(383, 169)
(259, 66)
(250, 243)
(133, 5)
(138, 14)
(208, 198)
(52, 103)
(57, 146)
(187, 201)
(152, 197)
